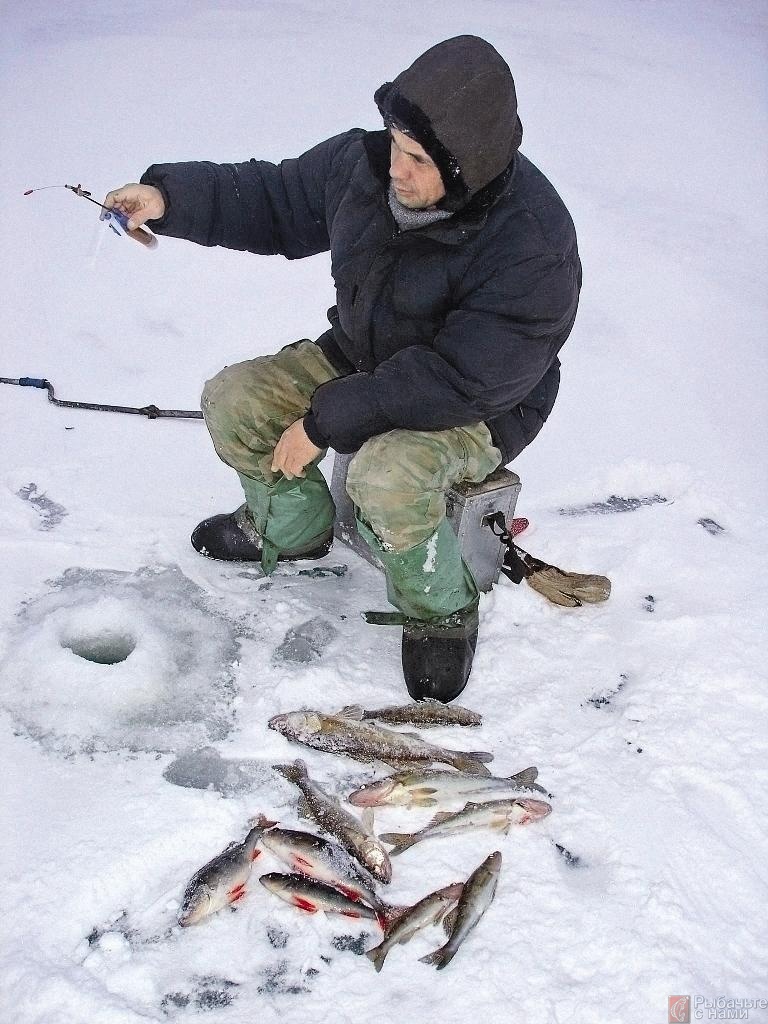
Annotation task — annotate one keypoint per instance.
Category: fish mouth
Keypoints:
(535, 809)
(373, 795)
(278, 723)
(194, 912)
(381, 870)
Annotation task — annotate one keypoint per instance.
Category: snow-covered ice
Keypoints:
(116, 660)
(136, 678)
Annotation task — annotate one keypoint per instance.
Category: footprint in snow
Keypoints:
(305, 643)
(208, 993)
(50, 512)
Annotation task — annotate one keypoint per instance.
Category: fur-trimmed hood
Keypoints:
(458, 101)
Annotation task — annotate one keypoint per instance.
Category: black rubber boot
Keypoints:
(437, 662)
(232, 537)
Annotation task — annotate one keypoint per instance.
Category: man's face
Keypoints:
(415, 177)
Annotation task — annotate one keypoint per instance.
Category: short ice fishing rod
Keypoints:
(147, 239)
(150, 411)
(140, 234)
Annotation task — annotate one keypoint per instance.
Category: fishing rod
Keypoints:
(150, 411)
(108, 214)
(147, 239)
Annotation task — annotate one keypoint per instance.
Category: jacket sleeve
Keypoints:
(255, 205)
(491, 352)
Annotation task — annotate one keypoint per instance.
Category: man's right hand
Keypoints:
(139, 203)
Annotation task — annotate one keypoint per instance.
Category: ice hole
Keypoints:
(108, 648)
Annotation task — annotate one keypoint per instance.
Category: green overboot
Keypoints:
(437, 597)
(282, 521)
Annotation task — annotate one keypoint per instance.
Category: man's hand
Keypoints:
(294, 451)
(140, 203)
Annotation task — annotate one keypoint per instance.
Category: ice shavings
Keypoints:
(120, 660)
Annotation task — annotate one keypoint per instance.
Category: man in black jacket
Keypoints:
(457, 278)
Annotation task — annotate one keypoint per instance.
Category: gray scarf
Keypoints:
(409, 219)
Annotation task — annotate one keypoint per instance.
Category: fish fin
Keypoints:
(439, 959)
(237, 893)
(303, 904)
(366, 820)
(352, 712)
(377, 955)
(422, 801)
(525, 779)
(449, 921)
(400, 840)
(472, 762)
(440, 817)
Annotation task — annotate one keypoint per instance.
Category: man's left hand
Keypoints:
(294, 451)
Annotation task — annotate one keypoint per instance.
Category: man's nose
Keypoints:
(397, 167)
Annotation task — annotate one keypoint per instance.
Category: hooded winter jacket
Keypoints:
(437, 327)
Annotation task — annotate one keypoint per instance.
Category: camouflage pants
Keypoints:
(397, 479)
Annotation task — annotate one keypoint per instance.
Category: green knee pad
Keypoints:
(289, 515)
(429, 580)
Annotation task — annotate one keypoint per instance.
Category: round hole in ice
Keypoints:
(107, 648)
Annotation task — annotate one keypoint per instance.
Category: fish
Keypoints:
(325, 861)
(341, 734)
(425, 787)
(310, 895)
(429, 910)
(477, 895)
(426, 712)
(497, 814)
(355, 836)
(223, 880)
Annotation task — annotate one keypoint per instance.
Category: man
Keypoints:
(457, 278)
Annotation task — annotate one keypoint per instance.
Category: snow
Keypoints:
(647, 716)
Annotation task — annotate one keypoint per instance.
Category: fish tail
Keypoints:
(259, 826)
(400, 840)
(262, 821)
(526, 779)
(473, 762)
(377, 955)
(354, 712)
(440, 958)
(292, 772)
